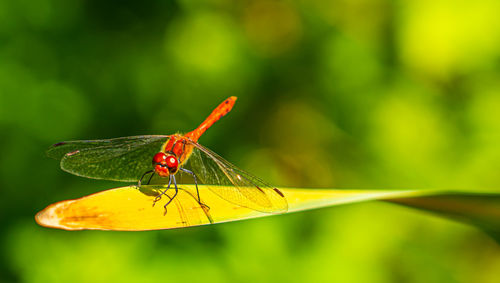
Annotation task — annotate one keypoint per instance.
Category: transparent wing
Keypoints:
(121, 159)
(233, 184)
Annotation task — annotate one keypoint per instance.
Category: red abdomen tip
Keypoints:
(219, 112)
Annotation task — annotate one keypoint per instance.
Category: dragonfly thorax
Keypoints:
(165, 164)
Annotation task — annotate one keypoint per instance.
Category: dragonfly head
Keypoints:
(165, 164)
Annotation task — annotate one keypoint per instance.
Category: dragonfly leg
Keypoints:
(158, 197)
(150, 177)
(142, 177)
(196, 185)
(172, 198)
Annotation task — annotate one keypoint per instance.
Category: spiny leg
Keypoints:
(172, 198)
(142, 177)
(196, 185)
(158, 197)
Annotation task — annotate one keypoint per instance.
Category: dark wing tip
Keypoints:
(262, 191)
(279, 192)
(57, 150)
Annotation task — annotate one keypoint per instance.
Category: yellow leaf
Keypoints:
(131, 209)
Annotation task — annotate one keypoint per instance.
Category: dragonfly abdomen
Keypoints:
(218, 113)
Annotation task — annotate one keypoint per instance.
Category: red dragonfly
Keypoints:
(128, 159)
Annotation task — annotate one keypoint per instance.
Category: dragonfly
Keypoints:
(130, 159)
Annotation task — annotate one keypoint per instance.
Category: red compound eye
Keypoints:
(172, 163)
(159, 158)
(165, 164)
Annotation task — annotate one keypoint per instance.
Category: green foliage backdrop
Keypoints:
(369, 94)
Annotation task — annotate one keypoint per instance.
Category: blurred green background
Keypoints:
(369, 94)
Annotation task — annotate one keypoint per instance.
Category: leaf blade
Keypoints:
(130, 209)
